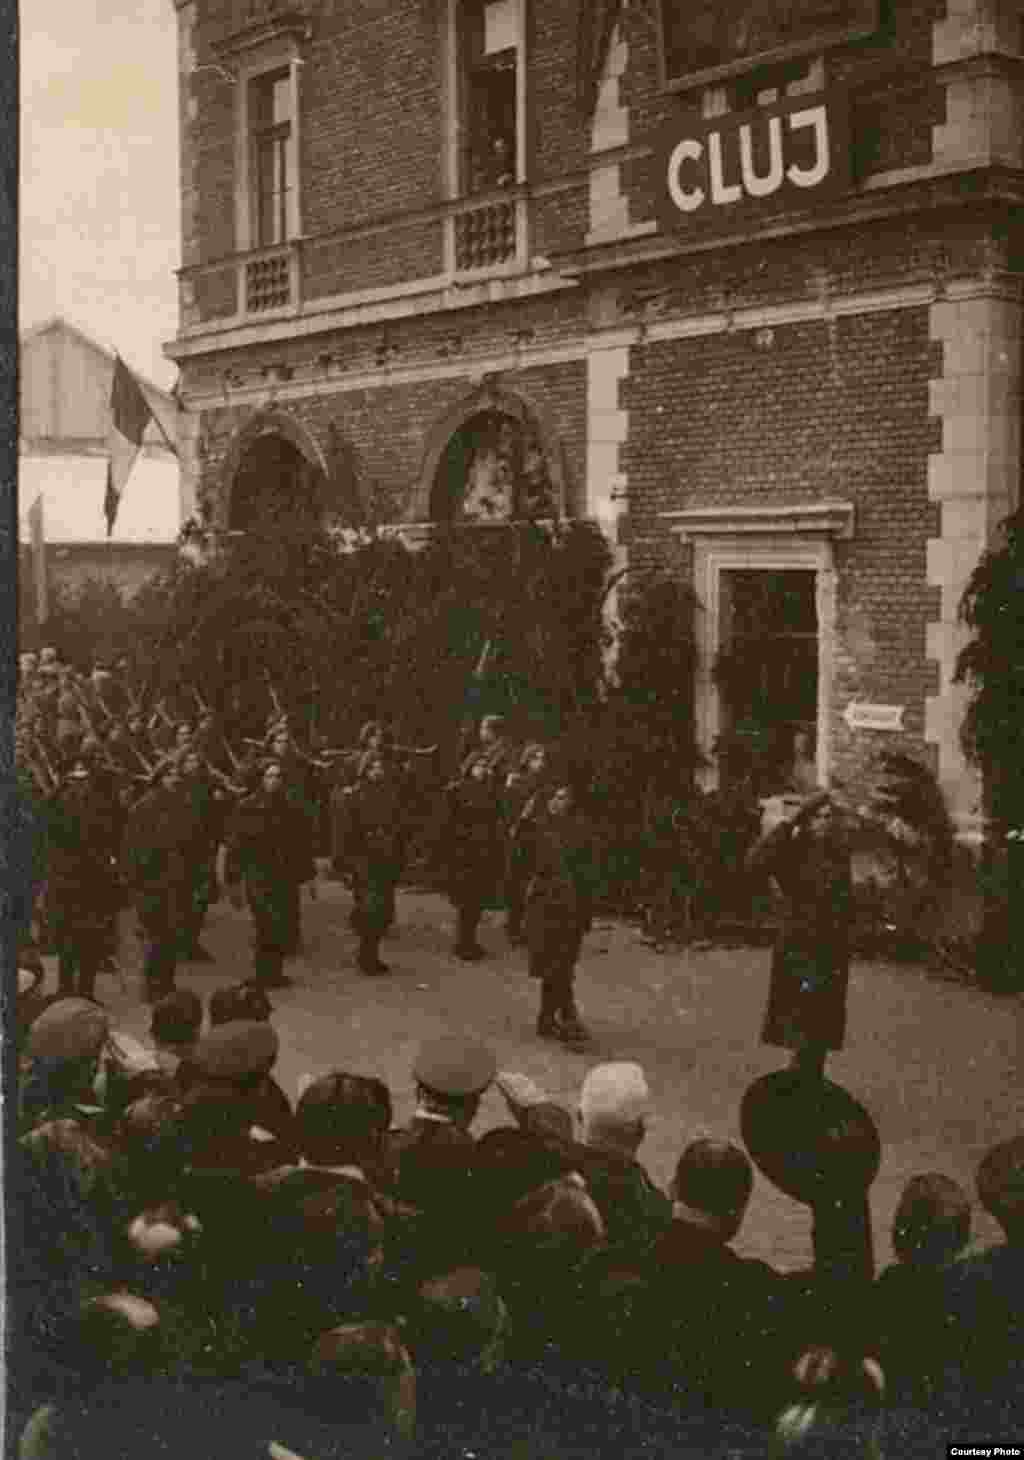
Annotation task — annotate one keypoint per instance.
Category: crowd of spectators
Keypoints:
(198, 1266)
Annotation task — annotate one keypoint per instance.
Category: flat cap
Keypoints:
(68, 1029)
(454, 1066)
(233, 1051)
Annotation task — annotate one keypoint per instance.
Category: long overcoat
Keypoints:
(811, 959)
(559, 894)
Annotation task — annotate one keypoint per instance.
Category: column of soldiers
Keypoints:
(138, 801)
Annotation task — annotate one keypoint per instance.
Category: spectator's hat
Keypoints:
(615, 1093)
(455, 1067)
(68, 1029)
(1001, 1178)
(810, 1138)
(237, 1050)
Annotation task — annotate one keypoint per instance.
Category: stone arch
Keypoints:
(270, 433)
(490, 400)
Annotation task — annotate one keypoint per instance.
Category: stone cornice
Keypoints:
(829, 518)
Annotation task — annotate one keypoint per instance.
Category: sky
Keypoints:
(99, 205)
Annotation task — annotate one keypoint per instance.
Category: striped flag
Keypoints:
(130, 414)
(39, 578)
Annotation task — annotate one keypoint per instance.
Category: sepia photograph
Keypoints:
(514, 817)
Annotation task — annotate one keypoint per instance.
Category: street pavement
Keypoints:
(935, 1063)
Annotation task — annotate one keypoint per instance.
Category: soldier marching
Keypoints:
(155, 804)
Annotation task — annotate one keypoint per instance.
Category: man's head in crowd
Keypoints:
(458, 1318)
(712, 1186)
(1001, 1187)
(240, 1001)
(932, 1224)
(451, 1076)
(176, 1021)
(558, 1220)
(615, 1105)
(372, 1381)
(342, 1119)
(63, 1050)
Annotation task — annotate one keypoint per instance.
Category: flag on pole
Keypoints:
(39, 578)
(130, 414)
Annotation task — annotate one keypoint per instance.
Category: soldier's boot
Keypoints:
(369, 960)
(466, 946)
(547, 1019)
(571, 1029)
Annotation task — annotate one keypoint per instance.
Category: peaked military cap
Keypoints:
(455, 1066)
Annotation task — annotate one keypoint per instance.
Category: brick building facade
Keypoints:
(739, 282)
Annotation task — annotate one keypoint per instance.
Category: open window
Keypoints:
(767, 671)
(489, 57)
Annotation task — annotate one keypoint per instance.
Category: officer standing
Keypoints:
(809, 857)
(269, 847)
(559, 910)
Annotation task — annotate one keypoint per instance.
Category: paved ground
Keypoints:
(936, 1064)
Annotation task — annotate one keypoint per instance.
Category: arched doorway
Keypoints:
(494, 468)
(273, 479)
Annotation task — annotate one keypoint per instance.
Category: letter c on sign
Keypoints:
(687, 200)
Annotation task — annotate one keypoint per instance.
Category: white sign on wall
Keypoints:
(860, 716)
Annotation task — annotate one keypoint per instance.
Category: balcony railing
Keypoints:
(486, 235)
(268, 282)
(479, 238)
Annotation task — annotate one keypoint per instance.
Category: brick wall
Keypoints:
(371, 96)
(406, 251)
(836, 409)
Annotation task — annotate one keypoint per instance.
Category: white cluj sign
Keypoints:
(873, 717)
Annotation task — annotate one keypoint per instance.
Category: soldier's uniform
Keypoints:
(431, 1160)
(269, 846)
(474, 852)
(373, 850)
(158, 834)
(83, 835)
(558, 912)
(521, 802)
(200, 859)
